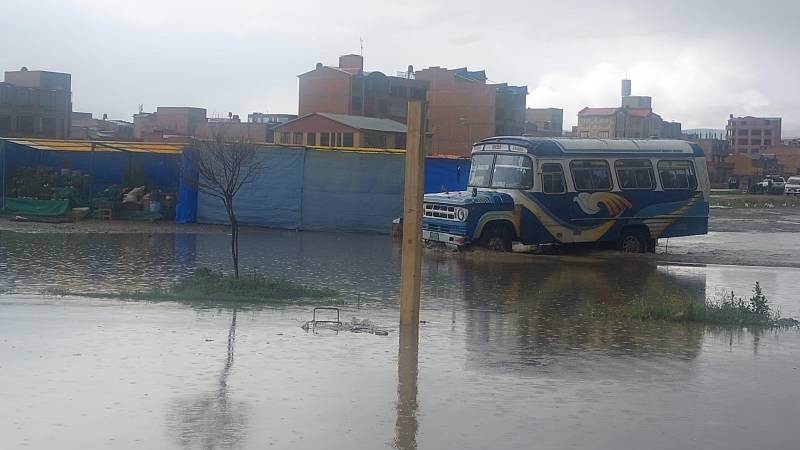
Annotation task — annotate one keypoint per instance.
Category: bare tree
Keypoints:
(223, 168)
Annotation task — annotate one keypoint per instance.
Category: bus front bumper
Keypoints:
(445, 238)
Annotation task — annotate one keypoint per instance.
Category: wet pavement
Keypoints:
(508, 358)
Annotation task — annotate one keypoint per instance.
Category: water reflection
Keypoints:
(211, 420)
(546, 319)
(407, 372)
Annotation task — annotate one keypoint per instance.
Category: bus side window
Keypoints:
(677, 175)
(591, 175)
(553, 179)
(635, 174)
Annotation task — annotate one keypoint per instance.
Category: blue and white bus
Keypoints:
(562, 191)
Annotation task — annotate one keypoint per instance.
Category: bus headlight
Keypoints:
(461, 214)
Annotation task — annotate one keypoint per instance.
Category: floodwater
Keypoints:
(508, 357)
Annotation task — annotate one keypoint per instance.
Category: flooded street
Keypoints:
(508, 357)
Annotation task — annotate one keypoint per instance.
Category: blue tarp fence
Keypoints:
(324, 190)
(109, 168)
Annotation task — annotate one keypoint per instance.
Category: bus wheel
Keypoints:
(633, 241)
(497, 238)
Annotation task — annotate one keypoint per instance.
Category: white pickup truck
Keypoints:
(792, 186)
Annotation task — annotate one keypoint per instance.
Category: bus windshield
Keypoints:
(501, 171)
(481, 171)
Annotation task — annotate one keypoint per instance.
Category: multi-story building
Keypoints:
(271, 120)
(633, 119)
(463, 109)
(618, 123)
(168, 123)
(84, 126)
(349, 90)
(544, 122)
(752, 134)
(36, 103)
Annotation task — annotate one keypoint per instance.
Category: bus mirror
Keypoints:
(474, 192)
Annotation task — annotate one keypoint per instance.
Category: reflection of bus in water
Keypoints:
(550, 191)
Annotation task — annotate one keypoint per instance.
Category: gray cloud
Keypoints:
(699, 60)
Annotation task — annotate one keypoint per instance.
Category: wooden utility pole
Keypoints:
(411, 262)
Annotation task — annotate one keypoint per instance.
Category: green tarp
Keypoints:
(38, 208)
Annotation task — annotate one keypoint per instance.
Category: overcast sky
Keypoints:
(699, 60)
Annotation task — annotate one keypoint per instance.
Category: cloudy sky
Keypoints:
(699, 60)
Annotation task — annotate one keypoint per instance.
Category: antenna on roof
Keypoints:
(361, 43)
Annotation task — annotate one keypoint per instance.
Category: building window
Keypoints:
(382, 108)
(755, 141)
(398, 91)
(311, 138)
(766, 122)
(584, 134)
(767, 132)
(591, 175)
(553, 179)
(767, 141)
(635, 174)
(677, 175)
(756, 132)
(338, 139)
(355, 104)
(743, 131)
(297, 138)
(602, 134)
(347, 140)
(324, 139)
(418, 94)
(742, 141)
(285, 137)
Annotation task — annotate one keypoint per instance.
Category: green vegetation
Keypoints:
(755, 201)
(209, 286)
(729, 310)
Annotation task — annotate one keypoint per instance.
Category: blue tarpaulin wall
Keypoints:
(311, 189)
(109, 167)
(446, 174)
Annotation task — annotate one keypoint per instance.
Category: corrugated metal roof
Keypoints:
(366, 123)
(100, 146)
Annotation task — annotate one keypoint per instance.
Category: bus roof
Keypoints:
(542, 146)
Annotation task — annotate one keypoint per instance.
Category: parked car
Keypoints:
(792, 186)
(772, 184)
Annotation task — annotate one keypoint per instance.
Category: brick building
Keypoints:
(168, 123)
(633, 119)
(338, 130)
(349, 90)
(272, 120)
(618, 123)
(84, 126)
(752, 134)
(463, 109)
(180, 124)
(36, 103)
(544, 122)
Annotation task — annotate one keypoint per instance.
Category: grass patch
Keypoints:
(756, 201)
(210, 286)
(728, 310)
